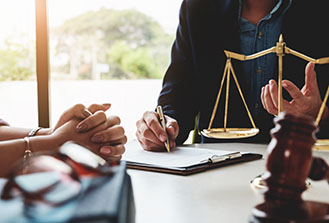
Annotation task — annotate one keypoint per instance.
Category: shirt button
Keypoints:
(256, 106)
(259, 70)
(260, 34)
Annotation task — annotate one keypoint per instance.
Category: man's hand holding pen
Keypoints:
(152, 135)
(163, 124)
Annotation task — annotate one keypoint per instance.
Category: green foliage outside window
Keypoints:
(131, 43)
(133, 63)
(16, 62)
(128, 42)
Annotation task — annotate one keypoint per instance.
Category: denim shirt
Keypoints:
(253, 39)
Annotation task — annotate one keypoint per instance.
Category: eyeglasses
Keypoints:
(54, 178)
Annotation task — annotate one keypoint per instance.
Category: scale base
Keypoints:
(259, 184)
(322, 144)
(229, 133)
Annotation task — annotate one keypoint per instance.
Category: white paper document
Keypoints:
(183, 156)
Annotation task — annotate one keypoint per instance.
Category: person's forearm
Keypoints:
(9, 132)
(13, 150)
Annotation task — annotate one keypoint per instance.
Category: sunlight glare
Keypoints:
(16, 17)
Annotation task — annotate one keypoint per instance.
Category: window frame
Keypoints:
(42, 62)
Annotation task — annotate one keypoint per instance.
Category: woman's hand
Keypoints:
(107, 139)
(104, 134)
(81, 112)
(107, 132)
(78, 111)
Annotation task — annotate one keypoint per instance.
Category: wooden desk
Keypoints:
(215, 196)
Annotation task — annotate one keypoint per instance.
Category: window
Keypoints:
(104, 51)
(18, 87)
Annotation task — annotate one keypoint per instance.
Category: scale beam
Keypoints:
(242, 57)
(323, 60)
(281, 50)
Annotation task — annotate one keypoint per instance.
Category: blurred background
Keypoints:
(100, 51)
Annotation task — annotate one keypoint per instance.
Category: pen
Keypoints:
(163, 123)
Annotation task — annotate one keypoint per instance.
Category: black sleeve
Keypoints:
(178, 96)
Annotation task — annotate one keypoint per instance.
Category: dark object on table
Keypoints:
(319, 170)
(70, 186)
(289, 164)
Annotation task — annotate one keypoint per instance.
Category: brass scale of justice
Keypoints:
(280, 49)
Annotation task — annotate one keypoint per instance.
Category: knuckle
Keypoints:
(101, 115)
(125, 140)
(146, 148)
(152, 122)
(123, 149)
(147, 144)
(147, 113)
(120, 130)
(92, 106)
(123, 130)
(140, 123)
(96, 107)
(145, 132)
(78, 106)
(117, 119)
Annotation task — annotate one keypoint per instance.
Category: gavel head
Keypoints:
(289, 157)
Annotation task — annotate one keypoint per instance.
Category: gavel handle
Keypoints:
(319, 169)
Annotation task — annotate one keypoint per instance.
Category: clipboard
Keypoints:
(182, 160)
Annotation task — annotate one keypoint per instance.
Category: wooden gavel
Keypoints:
(289, 163)
(319, 169)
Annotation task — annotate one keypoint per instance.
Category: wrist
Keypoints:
(57, 140)
(43, 143)
(43, 131)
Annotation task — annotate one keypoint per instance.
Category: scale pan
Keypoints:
(321, 144)
(230, 133)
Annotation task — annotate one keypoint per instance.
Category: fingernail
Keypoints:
(82, 127)
(284, 84)
(312, 64)
(97, 138)
(86, 113)
(162, 138)
(107, 105)
(105, 150)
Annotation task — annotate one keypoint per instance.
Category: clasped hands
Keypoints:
(91, 128)
(306, 101)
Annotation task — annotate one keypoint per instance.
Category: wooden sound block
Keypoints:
(304, 212)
